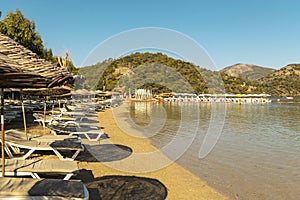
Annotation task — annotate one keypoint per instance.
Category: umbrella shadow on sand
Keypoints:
(123, 187)
(108, 152)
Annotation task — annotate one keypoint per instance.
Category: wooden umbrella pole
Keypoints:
(24, 116)
(2, 133)
(45, 108)
(53, 107)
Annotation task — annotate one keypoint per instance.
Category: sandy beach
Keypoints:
(110, 171)
(180, 183)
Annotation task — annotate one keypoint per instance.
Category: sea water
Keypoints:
(255, 150)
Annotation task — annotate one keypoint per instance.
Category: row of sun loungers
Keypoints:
(14, 111)
(67, 127)
(71, 123)
(38, 187)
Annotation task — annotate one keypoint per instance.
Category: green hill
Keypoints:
(91, 75)
(283, 82)
(247, 71)
(154, 70)
(161, 73)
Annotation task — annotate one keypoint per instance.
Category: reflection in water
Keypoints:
(140, 112)
(257, 156)
(144, 113)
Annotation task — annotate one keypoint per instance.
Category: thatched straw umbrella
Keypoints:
(55, 91)
(21, 68)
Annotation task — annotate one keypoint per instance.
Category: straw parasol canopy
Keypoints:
(55, 91)
(24, 68)
(12, 74)
(21, 68)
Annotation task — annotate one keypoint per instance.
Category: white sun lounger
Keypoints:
(33, 168)
(91, 135)
(41, 120)
(16, 144)
(38, 189)
(50, 119)
(40, 138)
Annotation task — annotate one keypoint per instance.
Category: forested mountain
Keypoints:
(156, 71)
(283, 82)
(161, 73)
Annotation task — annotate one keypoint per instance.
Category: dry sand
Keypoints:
(180, 183)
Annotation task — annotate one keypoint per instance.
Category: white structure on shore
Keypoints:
(143, 94)
(219, 98)
(236, 98)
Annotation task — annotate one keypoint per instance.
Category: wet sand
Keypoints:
(180, 183)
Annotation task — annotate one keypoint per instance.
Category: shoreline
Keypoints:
(180, 183)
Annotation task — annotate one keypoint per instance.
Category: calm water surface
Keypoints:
(257, 155)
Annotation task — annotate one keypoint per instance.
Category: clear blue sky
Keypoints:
(262, 32)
